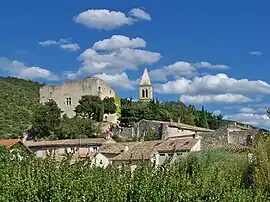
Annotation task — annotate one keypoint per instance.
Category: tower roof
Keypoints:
(145, 81)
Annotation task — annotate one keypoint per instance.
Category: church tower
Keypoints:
(145, 90)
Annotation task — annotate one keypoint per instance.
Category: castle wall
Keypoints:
(74, 90)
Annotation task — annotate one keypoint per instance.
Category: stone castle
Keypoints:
(68, 94)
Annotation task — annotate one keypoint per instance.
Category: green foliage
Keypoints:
(48, 124)
(132, 112)
(202, 119)
(18, 99)
(90, 107)
(210, 176)
(118, 104)
(46, 120)
(109, 105)
(151, 135)
(76, 128)
(262, 164)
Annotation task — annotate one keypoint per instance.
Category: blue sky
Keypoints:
(212, 53)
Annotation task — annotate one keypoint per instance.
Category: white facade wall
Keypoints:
(74, 90)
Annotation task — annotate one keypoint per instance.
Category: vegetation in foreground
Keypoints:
(215, 175)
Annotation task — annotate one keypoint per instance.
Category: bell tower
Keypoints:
(145, 90)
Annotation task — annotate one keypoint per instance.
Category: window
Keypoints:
(143, 93)
(162, 154)
(101, 162)
(68, 101)
(50, 99)
(146, 92)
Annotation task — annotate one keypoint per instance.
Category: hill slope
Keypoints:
(18, 98)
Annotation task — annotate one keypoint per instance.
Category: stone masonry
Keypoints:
(68, 94)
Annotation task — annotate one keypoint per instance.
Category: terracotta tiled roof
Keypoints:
(116, 148)
(175, 144)
(67, 142)
(141, 150)
(9, 143)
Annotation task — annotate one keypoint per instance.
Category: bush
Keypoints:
(208, 176)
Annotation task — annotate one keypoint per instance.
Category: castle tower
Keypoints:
(145, 90)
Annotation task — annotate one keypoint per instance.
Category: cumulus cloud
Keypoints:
(182, 69)
(211, 66)
(213, 84)
(251, 118)
(116, 61)
(103, 19)
(256, 53)
(176, 70)
(65, 44)
(138, 13)
(108, 20)
(221, 98)
(114, 58)
(70, 47)
(118, 81)
(20, 70)
(246, 110)
(119, 41)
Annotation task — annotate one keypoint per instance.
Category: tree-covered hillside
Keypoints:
(18, 99)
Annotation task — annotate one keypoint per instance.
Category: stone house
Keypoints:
(232, 135)
(14, 142)
(163, 129)
(111, 150)
(68, 94)
(156, 152)
(78, 148)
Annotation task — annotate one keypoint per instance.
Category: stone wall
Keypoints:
(229, 135)
(73, 91)
(145, 126)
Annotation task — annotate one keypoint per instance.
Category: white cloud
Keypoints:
(217, 112)
(118, 81)
(221, 98)
(71, 47)
(213, 84)
(119, 41)
(109, 20)
(211, 66)
(103, 19)
(251, 118)
(256, 53)
(48, 43)
(246, 110)
(20, 70)
(140, 14)
(65, 44)
(176, 70)
(114, 62)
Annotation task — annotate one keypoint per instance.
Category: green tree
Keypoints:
(76, 128)
(46, 120)
(90, 107)
(109, 105)
(203, 119)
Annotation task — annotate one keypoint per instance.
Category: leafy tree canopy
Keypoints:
(18, 99)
